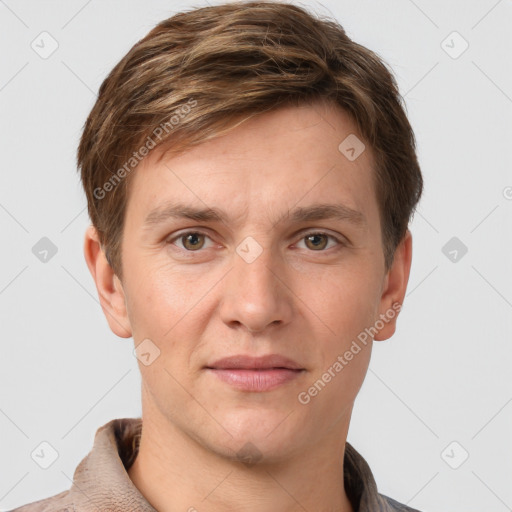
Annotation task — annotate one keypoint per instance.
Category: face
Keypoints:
(265, 241)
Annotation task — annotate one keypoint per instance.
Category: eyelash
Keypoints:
(199, 232)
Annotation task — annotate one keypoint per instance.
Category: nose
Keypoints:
(255, 294)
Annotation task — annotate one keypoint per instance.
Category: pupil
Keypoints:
(317, 240)
(193, 240)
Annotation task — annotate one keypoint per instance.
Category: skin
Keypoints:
(304, 301)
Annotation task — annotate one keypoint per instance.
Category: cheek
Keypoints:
(348, 302)
(159, 301)
(332, 391)
(348, 307)
(171, 309)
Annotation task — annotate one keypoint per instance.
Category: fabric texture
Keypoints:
(101, 481)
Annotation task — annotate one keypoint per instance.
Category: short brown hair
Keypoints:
(210, 67)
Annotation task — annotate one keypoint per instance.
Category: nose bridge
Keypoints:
(254, 295)
(254, 268)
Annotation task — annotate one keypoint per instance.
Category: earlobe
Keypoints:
(109, 287)
(394, 289)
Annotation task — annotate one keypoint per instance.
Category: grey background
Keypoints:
(443, 377)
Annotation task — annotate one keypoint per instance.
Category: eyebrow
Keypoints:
(313, 212)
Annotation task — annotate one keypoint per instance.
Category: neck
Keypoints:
(176, 473)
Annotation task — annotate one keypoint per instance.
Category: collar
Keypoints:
(101, 480)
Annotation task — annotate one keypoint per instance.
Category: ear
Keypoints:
(108, 285)
(394, 287)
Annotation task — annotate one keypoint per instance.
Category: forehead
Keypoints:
(291, 156)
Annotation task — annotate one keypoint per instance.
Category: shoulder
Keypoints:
(55, 503)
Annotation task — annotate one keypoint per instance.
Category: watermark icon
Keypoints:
(363, 337)
(454, 45)
(248, 249)
(45, 45)
(44, 250)
(454, 249)
(507, 193)
(180, 113)
(44, 455)
(455, 455)
(146, 352)
(351, 147)
(249, 454)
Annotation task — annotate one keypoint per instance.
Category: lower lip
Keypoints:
(256, 380)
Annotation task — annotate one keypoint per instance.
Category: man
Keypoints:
(250, 175)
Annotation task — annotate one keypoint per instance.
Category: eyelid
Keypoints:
(340, 240)
(181, 234)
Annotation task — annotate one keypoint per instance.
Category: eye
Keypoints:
(318, 241)
(193, 241)
(190, 240)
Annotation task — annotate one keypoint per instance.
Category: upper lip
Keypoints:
(246, 362)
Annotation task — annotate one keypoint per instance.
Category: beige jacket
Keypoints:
(101, 482)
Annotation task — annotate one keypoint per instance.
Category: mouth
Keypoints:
(255, 374)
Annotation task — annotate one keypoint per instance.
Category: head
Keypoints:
(250, 175)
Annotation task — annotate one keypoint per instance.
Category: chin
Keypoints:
(261, 436)
(257, 452)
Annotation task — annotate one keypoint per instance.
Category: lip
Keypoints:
(256, 374)
(246, 362)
